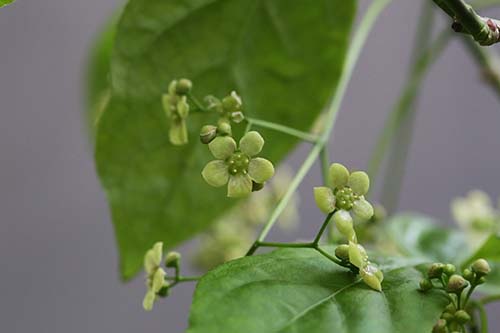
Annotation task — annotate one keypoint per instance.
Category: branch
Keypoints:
(484, 30)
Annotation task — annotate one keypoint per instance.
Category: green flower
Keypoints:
(177, 110)
(345, 197)
(237, 167)
(230, 108)
(155, 280)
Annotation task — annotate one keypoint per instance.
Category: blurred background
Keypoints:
(58, 259)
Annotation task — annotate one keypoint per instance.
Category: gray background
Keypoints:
(57, 253)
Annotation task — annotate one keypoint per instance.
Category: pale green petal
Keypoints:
(343, 222)
(222, 147)
(149, 263)
(260, 169)
(158, 280)
(370, 276)
(325, 200)
(359, 182)
(362, 209)
(172, 87)
(149, 300)
(178, 133)
(357, 255)
(167, 102)
(338, 175)
(251, 143)
(183, 107)
(157, 253)
(215, 173)
(239, 186)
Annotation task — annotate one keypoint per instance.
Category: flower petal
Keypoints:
(338, 175)
(343, 222)
(178, 134)
(183, 107)
(149, 264)
(157, 253)
(357, 255)
(251, 143)
(372, 277)
(215, 173)
(239, 186)
(260, 169)
(222, 147)
(158, 280)
(359, 182)
(325, 200)
(362, 209)
(149, 300)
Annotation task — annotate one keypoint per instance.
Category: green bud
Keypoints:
(164, 291)
(172, 259)
(183, 87)
(468, 274)
(237, 117)
(232, 102)
(338, 175)
(342, 252)
(425, 284)
(257, 186)
(435, 271)
(343, 222)
(251, 143)
(362, 209)
(447, 316)
(325, 200)
(456, 284)
(369, 276)
(481, 267)
(224, 128)
(208, 133)
(440, 326)
(449, 269)
(481, 280)
(462, 317)
(450, 308)
(359, 182)
(357, 255)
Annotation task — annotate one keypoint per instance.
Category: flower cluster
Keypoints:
(237, 165)
(459, 287)
(344, 199)
(176, 109)
(476, 214)
(155, 276)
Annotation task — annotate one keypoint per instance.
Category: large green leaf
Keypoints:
(489, 250)
(298, 290)
(282, 56)
(5, 2)
(421, 236)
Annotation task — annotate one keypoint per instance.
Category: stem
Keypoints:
(483, 316)
(332, 258)
(286, 245)
(352, 56)
(283, 129)
(196, 102)
(405, 114)
(485, 31)
(325, 163)
(322, 229)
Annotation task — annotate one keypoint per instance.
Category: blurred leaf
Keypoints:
(421, 236)
(284, 58)
(298, 290)
(5, 2)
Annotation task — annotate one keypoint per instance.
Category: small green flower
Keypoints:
(177, 110)
(230, 108)
(346, 195)
(155, 281)
(237, 166)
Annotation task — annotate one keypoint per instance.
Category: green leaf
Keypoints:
(282, 57)
(489, 250)
(298, 290)
(421, 236)
(5, 2)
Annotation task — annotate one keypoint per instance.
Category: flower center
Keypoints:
(345, 198)
(238, 163)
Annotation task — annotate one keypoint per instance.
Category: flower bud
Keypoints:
(325, 200)
(462, 317)
(435, 271)
(456, 284)
(224, 128)
(342, 252)
(468, 274)
(357, 255)
(172, 259)
(338, 175)
(343, 222)
(481, 267)
(425, 284)
(447, 316)
(208, 133)
(232, 102)
(369, 276)
(213, 103)
(359, 182)
(440, 326)
(362, 209)
(481, 280)
(164, 291)
(237, 117)
(449, 269)
(450, 308)
(183, 87)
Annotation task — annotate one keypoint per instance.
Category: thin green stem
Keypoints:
(352, 57)
(332, 258)
(489, 299)
(196, 102)
(285, 245)
(325, 164)
(248, 127)
(483, 316)
(322, 229)
(283, 129)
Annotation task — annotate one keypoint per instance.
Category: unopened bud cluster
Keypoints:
(176, 108)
